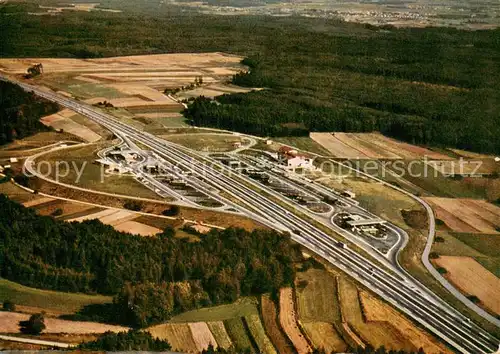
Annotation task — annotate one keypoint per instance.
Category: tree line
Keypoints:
(152, 278)
(20, 112)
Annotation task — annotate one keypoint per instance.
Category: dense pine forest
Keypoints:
(20, 112)
(159, 276)
(126, 341)
(434, 86)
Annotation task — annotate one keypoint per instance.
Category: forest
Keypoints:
(20, 112)
(160, 276)
(431, 86)
(126, 341)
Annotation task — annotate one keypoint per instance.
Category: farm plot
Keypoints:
(135, 83)
(288, 321)
(272, 326)
(179, 336)
(62, 121)
(372, 146)
(316, 296)
(467, 215)
(472, 279)
(60, 208)
(376, 310)
(473, 168)
(121, 220)
(244, 306)
(220, 334)
(324, 335)
(238, 334)
(374, 333)
(259, 335)
(202, 336)
(9, 323)
(48, 300)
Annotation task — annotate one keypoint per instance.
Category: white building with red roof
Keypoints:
(292, 159)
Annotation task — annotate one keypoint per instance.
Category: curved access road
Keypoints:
(427, 250)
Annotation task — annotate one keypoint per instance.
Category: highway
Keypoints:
(401, 290)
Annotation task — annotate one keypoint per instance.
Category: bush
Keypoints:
(23, 180)
(440, 222)
(35, 325)
(439, 239)
(174, 210)
(57, 212)
(433, 255)
(133, 205)
(8, 306)
(442, 270)
(474, 299)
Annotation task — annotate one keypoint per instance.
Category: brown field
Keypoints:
(288, 321)
(135, 227)
(9, 323)
(472, 279)
(371, 146)
(467, 215)
(202, 336)
(272, 326)
(220, 334)
(324, 335)
(179, 336)
(316, 296)
(375, 333)
(62, 120)
(470, 154)
(37, 201)
(121, 220)
(378, 311)
(135, 83)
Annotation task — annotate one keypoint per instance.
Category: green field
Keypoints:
(238, 334)
(259, 334)
(243, 307)
(206, 142)
(303, 143)
(434, 183)
(48, 300)
(94, 176)
(482, 247)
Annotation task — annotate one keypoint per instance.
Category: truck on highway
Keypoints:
(340, 244)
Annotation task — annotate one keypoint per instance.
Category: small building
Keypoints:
(348, 194)
(269, 142)
(365, 223)
(292, 159)
(112, 166)
(237, 144)
(13, 160)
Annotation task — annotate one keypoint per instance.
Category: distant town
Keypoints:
(471, 14)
